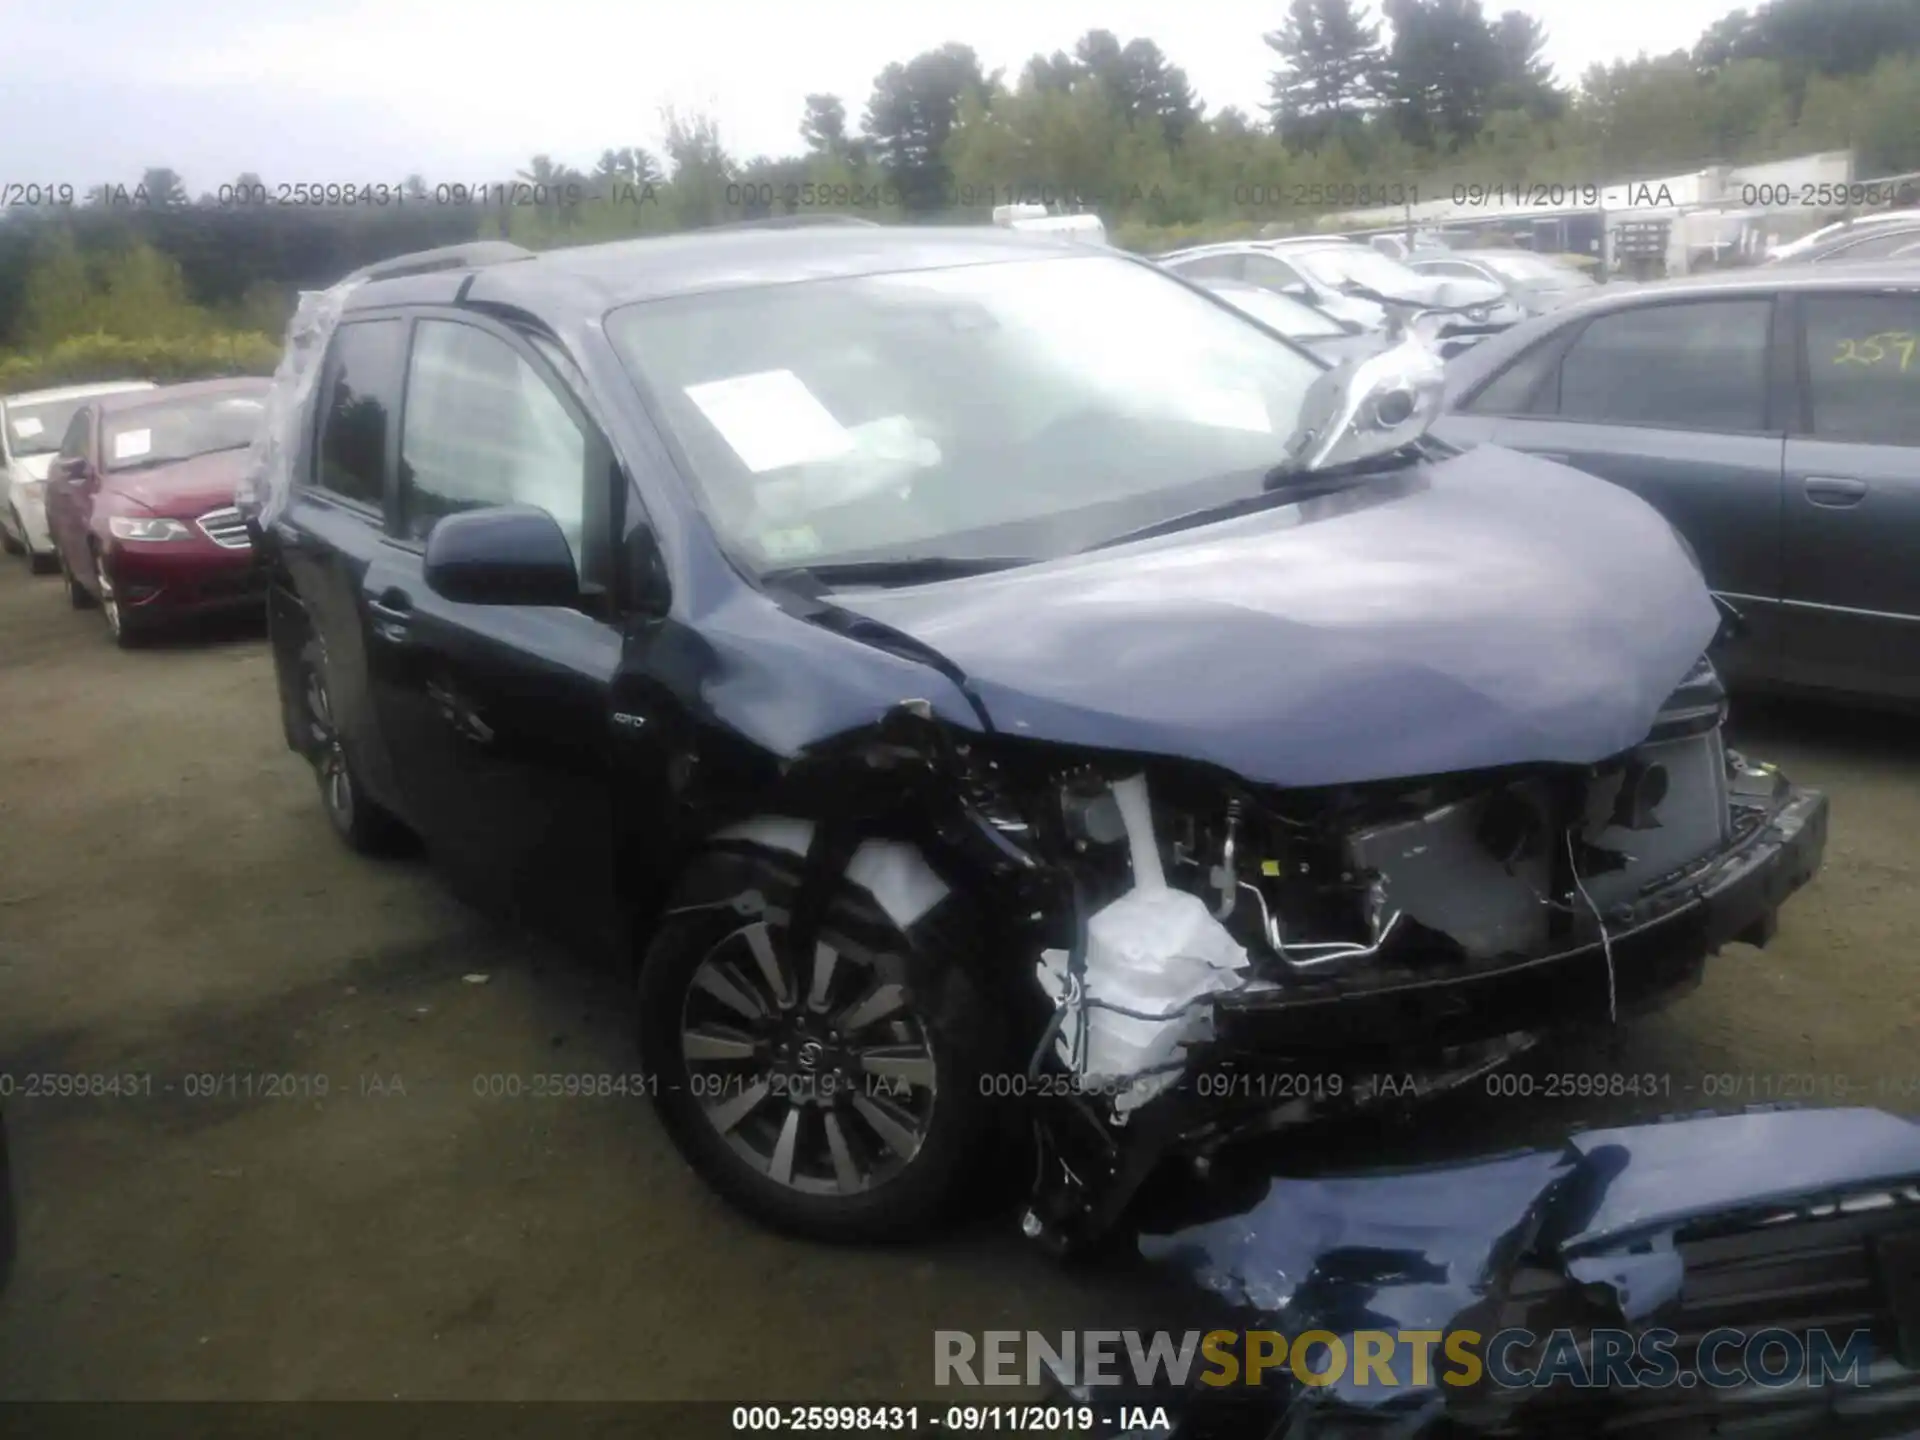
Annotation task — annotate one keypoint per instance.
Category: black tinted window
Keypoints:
(1863, 367)
(1696, 366)
(363, 381)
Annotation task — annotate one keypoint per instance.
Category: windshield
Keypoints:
(1339, 265)
(1020, 409)
(1282, 312)
(1535, 272)
(172, 430)
(39, 429)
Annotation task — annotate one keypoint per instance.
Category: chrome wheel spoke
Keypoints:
(713, 978)
(895, 1129)
(876, 1005)
(716, 1042)
(846, 1174)
(821, 1073)
(824, 959)
(772, 965)
(909, 1063)
(781, 1168)
(729, 1113)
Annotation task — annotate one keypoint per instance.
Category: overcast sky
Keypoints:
(93, 91)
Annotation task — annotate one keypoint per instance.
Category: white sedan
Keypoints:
(32, 429)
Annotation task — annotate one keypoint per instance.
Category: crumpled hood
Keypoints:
(1487, 610)
(186, 490)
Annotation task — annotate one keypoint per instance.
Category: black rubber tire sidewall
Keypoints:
(371, 830)
(945, 998)
(78, 596)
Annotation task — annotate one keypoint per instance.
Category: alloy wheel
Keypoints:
(336, 783)
(110, 603)
(823, 1081)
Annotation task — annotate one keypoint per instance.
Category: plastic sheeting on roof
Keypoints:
(267, 478)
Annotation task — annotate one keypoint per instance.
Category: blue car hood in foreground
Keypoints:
(1439, 1248)
(1485, 610)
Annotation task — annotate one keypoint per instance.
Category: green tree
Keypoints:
(1442, 68)
(1526, 80)
(59, 293)
(912, 114)
(162, 187)
(1329, 74)
(702, 169)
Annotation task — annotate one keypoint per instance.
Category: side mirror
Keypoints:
(503, 555)
(1297, 289)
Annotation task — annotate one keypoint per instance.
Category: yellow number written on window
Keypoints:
(1887, 348)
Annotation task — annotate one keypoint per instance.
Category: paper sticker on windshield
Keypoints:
(771, 420)
(1228, 409)
(130, 444)
(27, 426)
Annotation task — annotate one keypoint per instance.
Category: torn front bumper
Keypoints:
(1695, 1239)
(1654, 948)
(1284, 1054)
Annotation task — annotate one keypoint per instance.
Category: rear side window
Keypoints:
(1863, 367)
(1694, 366)
(1524, 387)
(1268, 273)
(1211, 267)
(483, 428)
(363, 382)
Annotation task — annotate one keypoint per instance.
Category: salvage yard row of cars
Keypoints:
(995, 657)
(126, 490)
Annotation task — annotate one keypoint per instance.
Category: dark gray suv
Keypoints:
(1774, 417)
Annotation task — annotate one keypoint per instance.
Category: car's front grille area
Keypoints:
(225, 527)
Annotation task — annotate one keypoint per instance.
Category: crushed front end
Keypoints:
(1219, 960)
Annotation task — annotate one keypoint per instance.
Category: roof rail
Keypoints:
(791, 222)
(470, 256)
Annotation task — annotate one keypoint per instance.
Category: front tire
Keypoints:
(7, 541)
(837, 1097)
(125, 632)
(365, 826)
(78, 596)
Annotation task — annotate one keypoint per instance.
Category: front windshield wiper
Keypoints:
(899, 570)
(1301, 485)
(1290, 479)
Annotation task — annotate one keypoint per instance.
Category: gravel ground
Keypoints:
(172, 904)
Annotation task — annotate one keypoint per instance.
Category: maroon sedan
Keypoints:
(140, 504)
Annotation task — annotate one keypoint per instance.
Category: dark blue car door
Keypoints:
(332, 531)
(499, 716)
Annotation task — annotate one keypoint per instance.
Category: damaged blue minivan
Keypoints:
(976, 679)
